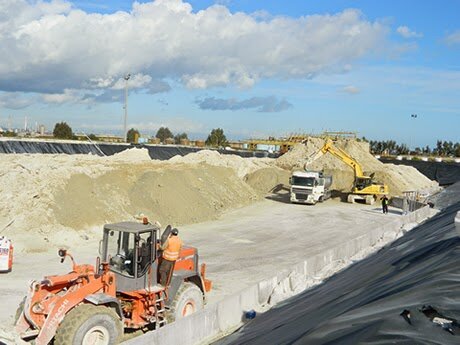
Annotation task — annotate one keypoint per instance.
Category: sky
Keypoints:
(254, 68)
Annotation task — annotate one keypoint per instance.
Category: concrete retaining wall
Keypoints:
(225, 316)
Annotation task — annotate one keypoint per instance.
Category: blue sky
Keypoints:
(254, 68)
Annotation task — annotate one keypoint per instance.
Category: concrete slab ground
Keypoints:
(254, 243)
(243, 247)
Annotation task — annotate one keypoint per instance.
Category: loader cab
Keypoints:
(130, 249)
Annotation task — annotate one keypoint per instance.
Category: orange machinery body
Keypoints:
(49, 300)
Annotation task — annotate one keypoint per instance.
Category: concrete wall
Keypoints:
(227, 315)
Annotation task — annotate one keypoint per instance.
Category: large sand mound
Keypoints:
(242, 166)
(58, 199)
(399, 178)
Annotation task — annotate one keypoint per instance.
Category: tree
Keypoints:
(93, 137)
(457, 149)
(163, 133)
(180, 136)
(427, 150)
(132, 136)
(9, 134)
(62, 131)
(216, 138)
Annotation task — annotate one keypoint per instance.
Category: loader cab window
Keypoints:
(121, 249)
(145, 252)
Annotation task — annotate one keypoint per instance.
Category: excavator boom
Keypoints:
(363, 185)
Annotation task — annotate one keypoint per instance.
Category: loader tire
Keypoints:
(188, 300)
(90, 324)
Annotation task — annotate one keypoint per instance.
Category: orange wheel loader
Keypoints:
(97, 304)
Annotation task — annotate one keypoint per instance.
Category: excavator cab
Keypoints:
(130, 249)
(363, 182)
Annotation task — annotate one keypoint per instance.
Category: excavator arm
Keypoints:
(363, 185)
(340, 154)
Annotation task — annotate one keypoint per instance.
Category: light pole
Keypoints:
(412, 116)
(125, 129)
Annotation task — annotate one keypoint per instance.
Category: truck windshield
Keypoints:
(303, 181)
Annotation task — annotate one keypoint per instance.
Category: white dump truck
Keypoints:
(309, 187)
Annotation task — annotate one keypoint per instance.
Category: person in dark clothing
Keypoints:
(384, 204)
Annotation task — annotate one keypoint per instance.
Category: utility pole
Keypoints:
(412, 116)
(125, 129)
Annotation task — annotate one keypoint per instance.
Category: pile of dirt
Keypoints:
(242, 166)
(63, 198)
(134, 155)
(399, 178)
(266, 179)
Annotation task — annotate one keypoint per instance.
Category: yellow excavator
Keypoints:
(364, 188)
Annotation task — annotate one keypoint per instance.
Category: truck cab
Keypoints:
(309, 187)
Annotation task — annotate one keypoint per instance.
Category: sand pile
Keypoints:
(134, 155)
(399, 178)
(242, 166)
(264, 180)
(62, 198)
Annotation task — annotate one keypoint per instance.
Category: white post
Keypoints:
(125, 126)
(413, 116)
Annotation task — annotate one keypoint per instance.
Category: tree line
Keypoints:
(443, 148)
(216, 137)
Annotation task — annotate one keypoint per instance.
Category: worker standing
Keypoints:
(384, 204)
(171, 249)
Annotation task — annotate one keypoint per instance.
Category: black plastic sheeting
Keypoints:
(400, 295)
(159, 152)
(443, 172)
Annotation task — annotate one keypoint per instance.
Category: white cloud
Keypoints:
(48, 47)
(350, 89)
(269, 104)
(136, 81)
(453, 38)
(405, 32)
(64, 97)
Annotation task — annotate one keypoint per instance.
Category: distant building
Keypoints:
(154, 140)
(110, 138)
(184, 142)
(102, 137)
(198, 143)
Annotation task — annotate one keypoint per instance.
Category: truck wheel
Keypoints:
(88, 324)
(188, 300)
